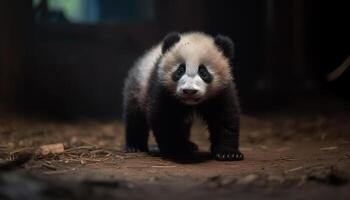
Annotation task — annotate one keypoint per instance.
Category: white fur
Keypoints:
(195, 49)
(145, 66)
(191, 80)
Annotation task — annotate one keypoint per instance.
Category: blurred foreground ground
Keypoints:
(299, 152)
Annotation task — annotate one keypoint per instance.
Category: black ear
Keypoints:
(170, 40)
(226, 45)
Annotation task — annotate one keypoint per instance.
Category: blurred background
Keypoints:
(69, 58)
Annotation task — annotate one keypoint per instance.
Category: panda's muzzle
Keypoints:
(189, 91)
(190, 95)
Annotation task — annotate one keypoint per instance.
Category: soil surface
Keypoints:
(289, 154)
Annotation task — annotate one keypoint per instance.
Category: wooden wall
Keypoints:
(15, 18)
(70, 70)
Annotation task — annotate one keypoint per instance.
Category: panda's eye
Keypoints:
(204, 74)
(179, 72)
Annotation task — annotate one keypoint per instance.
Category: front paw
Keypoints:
(228, 156)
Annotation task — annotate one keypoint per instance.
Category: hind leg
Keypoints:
(136, 127)
(136, 131)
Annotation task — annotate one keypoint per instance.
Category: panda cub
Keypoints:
(185, 74)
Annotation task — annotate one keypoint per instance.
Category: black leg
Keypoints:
(170, 121)
(136, 131)
(172, 138)
(171, 124)
(222, 116)
(224, 143)
(187, 131)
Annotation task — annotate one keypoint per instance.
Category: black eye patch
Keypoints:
(204, 74)
(179, 72)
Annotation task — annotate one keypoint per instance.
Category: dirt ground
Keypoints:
(289, 153)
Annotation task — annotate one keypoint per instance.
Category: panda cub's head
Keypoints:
(195, 66)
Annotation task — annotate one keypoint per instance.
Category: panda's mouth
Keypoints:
(191, 100)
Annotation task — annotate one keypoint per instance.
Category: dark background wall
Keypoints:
(51, 65)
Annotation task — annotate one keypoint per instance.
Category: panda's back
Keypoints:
(141, 72)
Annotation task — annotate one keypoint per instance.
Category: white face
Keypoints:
(191, 83)
(194, 69)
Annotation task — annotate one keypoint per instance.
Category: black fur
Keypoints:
(136, 127)
(179, 72)
(226, 45)
(204, 74)
(222, 116)
(169, 41)
(171, 120)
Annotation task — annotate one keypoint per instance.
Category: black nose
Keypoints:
(189, 91)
